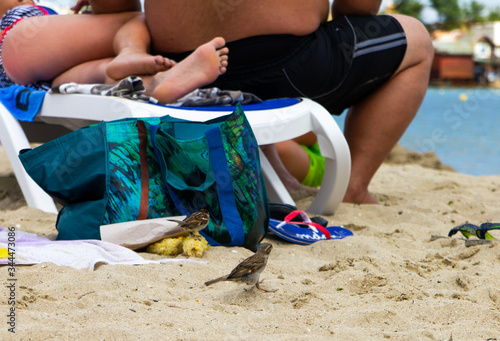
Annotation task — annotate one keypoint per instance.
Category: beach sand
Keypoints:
(390, 281)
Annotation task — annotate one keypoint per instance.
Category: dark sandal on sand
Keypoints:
(481, 232)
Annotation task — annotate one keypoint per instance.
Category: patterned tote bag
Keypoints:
(134, 169)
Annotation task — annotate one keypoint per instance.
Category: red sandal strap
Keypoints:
(306, 221)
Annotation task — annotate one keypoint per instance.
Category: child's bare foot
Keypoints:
(363, 197)
(200, 68)
(131, 63)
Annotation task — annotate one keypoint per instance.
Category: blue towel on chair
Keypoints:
(22, 102)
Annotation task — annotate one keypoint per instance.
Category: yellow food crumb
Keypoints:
(189, 245)
(4, 253)
(195, 246)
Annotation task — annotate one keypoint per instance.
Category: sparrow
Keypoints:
(249, 270)
(195, 222)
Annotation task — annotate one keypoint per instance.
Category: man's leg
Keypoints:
(376, 124)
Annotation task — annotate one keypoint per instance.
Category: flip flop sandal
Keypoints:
(280, 211)
(297, 227)
(467, 230)
(481, 232)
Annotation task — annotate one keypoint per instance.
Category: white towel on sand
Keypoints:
(31, 249)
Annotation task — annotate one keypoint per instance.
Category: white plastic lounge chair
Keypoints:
(269, 126)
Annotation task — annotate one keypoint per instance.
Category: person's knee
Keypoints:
(286, 149)
(18, 55)
(424, 40)
(420, 48)
(417, 33)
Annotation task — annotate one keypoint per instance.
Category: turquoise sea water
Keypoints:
(461, 125)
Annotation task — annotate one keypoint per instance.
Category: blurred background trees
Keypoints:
(450, 13)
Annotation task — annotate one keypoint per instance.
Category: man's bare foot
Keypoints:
(132, 63)
(200, 68)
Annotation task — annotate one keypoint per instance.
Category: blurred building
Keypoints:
(467, 55)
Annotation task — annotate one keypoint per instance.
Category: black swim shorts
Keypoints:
(342, 62)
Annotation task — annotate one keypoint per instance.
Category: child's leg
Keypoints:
(42, 48)
(200, 68)
(131, 45)
(293, 186)
(308, 139)
(93, 72)
(302, 159)
(294, 158)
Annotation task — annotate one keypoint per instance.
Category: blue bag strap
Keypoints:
(153, 130)
(224, 184)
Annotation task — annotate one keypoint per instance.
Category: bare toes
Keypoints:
(223, 52)
(218, 42)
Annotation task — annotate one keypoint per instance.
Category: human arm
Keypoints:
(114, 6)
(355, 7)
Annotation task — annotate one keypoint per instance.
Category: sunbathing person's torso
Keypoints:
(183, 25)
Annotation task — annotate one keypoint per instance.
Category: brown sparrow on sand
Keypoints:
(195, 222)
(249, 270)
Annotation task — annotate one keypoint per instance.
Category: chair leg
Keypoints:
(13, 140)
(334, 148)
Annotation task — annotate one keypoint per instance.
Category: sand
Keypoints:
(390, 281)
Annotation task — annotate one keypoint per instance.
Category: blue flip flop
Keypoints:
(297, 227)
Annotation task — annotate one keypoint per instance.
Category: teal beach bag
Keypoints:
(134, 169)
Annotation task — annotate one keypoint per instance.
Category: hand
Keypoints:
(249, 270)
(79, 5)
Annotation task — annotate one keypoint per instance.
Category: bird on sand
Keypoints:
(249, 270)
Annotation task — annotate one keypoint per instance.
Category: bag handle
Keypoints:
(225, 189)
(223, 182)
(172, 179)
